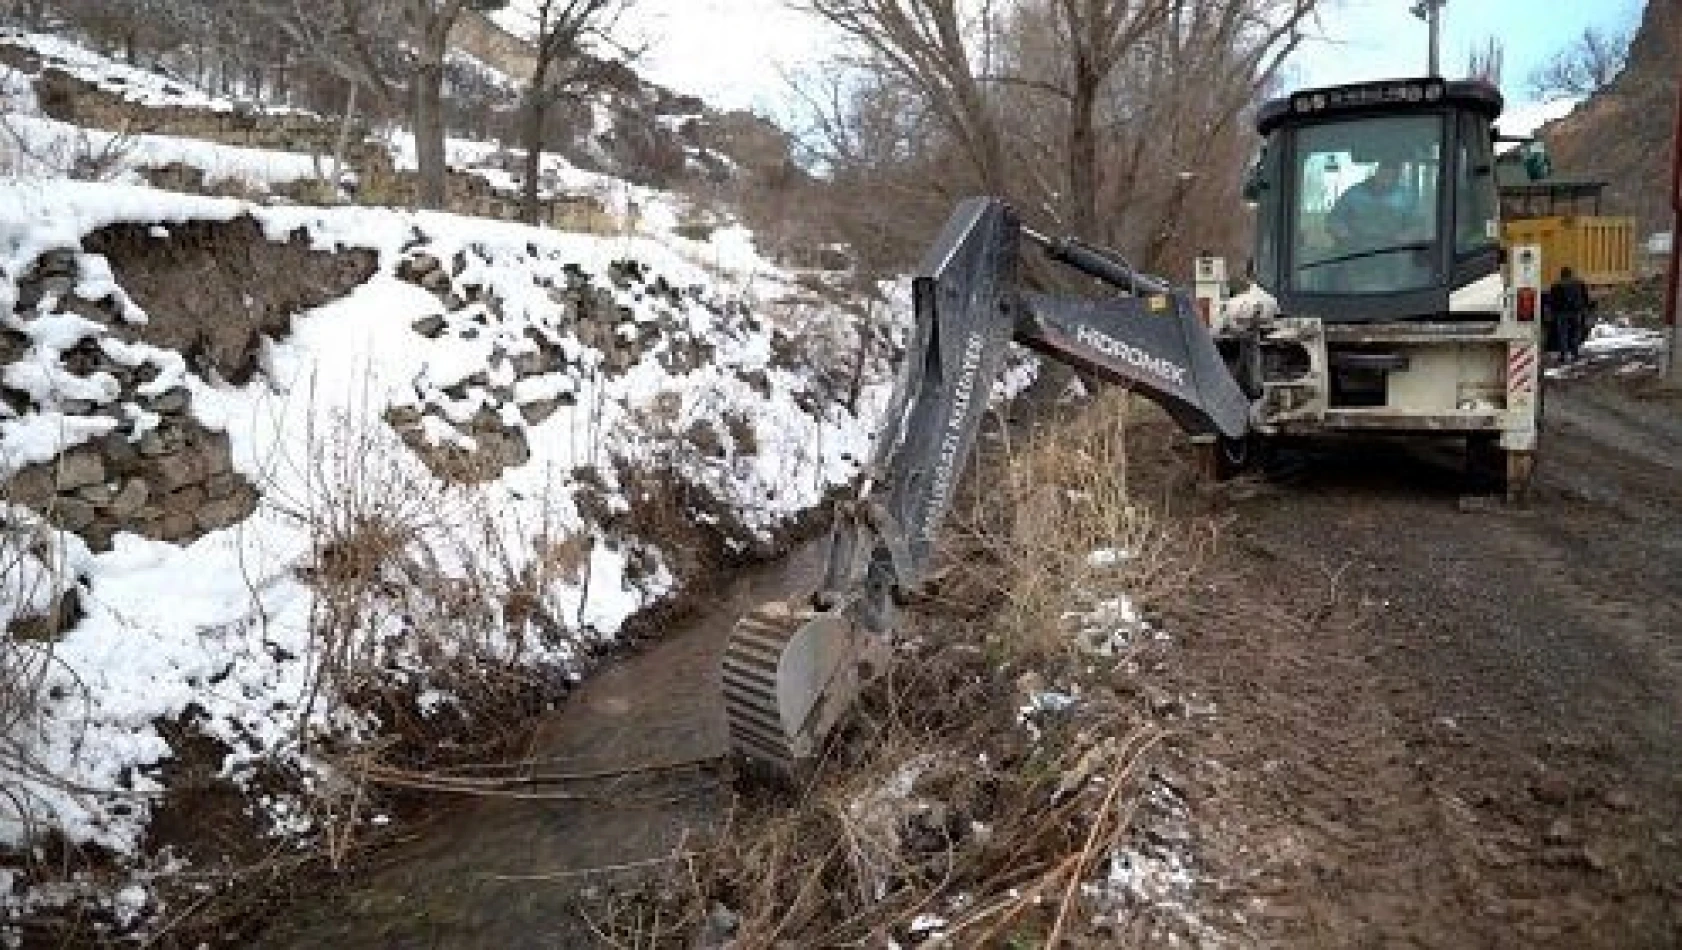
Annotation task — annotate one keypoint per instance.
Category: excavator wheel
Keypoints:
(789, 675)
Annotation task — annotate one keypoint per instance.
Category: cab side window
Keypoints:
(1475, 221)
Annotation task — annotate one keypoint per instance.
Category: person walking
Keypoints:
(1569, 300)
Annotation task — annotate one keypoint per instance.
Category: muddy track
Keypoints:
(1467, 729)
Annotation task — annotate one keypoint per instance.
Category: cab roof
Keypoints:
(1389, 97)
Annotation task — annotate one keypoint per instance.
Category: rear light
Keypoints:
(1203, 307)
(1527, 304)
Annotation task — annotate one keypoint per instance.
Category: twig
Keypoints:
(585, 872)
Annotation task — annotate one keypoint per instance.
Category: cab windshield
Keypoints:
(1365, 215)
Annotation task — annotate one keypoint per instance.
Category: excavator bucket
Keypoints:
(789, 674)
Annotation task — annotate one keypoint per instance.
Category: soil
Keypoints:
(1423, 717)
(1445, 722)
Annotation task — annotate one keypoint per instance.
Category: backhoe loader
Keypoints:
(1381, 301)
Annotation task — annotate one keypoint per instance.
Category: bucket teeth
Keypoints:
(784, 672)
(757, 731)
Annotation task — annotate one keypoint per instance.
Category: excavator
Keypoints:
(1402, 315)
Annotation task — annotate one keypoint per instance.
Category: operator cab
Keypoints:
(1377, 202)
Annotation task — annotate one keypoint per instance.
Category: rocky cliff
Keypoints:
(1622, 134)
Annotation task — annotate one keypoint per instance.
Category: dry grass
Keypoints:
(37, 597)
(422, 590)
(1065, 531)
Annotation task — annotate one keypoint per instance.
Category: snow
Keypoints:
(1526, 119)
(32, 147)
(143, 87)
(232, 639)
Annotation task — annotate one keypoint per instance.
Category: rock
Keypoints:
(176, 471)
(73, 514)
(222, 485)
(436, 281)
(173, 402)
(98, 495)
(415, 268)
(539, 410)
(77, 407)
(98, 535)
(77, 468)
(32, 486)
(511, 450)
(186, 500)
(403, 417)
(216, 455)
(177, 527)
(534, 363)
(706, 440)
(225, 512)
(431, 327)
(130, 499)
(121, 455)
(152, 444)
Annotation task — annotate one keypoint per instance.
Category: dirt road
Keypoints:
(1444, 723)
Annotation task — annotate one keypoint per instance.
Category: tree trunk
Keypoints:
(343, 144)
(530, 212)
(429, 133)
(536, 111)
(1083, 158)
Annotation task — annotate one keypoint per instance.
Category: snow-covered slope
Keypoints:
(144, 87)
(557, 370)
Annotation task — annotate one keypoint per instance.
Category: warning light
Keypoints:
(1527, 304)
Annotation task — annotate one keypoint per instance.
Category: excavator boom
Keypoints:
(791, 671)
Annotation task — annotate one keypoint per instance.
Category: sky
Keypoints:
(1376, 39)
(737, 53)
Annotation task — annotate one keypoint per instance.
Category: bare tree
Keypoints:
(429, 24)
(1095, 36)
(1486, 60)
(566, 37)
(1076, 107)
(393, 48)
(933, 47)
(1586, 66)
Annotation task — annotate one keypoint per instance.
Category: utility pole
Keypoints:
(1431, 12)
(1673, 287)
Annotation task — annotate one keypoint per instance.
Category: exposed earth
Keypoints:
(1423, 718)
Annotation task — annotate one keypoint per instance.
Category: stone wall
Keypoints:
(211, 292)
(68, 99)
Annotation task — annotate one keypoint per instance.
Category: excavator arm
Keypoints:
(790, 671)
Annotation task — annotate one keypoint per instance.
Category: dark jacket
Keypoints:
(1569, 295)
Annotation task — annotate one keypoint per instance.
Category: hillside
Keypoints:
(1622, 134)
(405, 476)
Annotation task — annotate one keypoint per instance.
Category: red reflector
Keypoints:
(1527, 304)
(1203, 309)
